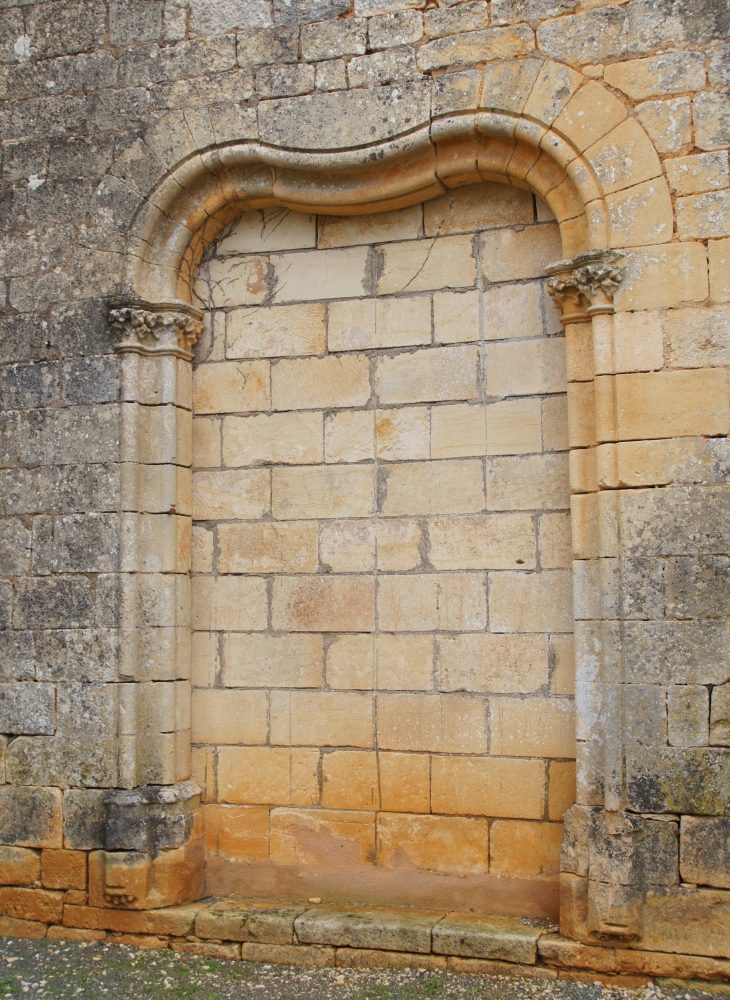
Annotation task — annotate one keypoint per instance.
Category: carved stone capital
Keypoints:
(585, 285)
(155, 328)
(565, 293)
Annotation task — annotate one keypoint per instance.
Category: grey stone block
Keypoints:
(86, 709)
(675, 521)
(115, 109)
(17, 656)
(688, 711)
(58, 201)
(645, 715)
(284, 81)
(693, 780)
(14, 547)
(697, 587)
(54, 602)
(6, 604)
(42, 546)
(575, 845)
(23, 338)
(18, 256)
(63, 763)
(21, 159)
(108, 600)
(384, 929)
(131, 23)
(513, 11)
(711, 117)
(199, 56)
(628, 850)
(641, 582)
(504, 939)
(382, 67)
(720, 716)
(593, 36)
(91, 380)
(84, 819)
(718, 72)
(86, 543)
(339, 120)
(64, 489)
(80, 328)
(151, 818)
(214, 17)
(72, 27)
(472, 16)
(30, 817)
(268, 45)
(304, 11)
(403, 27)
(262, 923)
(677, 652)
(330, 75)
(656, 23)
(88, 655)
(705, 851)
(332, 39)
(27, 707)
(687, 921)
(77, 434)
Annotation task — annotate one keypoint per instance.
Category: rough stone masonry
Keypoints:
(364, 504)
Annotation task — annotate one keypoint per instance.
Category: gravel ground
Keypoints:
(59, 969)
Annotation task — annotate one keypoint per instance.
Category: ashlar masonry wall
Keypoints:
(382, 608)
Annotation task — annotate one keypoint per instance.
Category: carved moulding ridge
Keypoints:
(585, 286)
(155, 328)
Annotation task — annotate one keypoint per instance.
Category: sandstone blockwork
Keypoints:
(364, 480)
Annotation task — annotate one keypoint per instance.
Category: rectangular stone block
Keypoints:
(350, 780)
(63, 869)
(439, 374)
(405, 782)
(719, 258)
(237, 833)
(446, 844)
(720, 716)
(476, 786)
(526, 368)
(231, 387)
(512, 255)
(424, 602)
(255, 660)
(273, 439)
(533, 482)
(320, 383)
(532, 727)
(297, 834)
(458, 431)
(289, 547)
(327, 604)
(688, 710)
(19, 866)
(447, 487)
(321, 718)
(502, 938)
(319, 274)
(229, 603)
(229, 495)
(531, 602)
(347, 546)
(514, 427)
(455, 316)
(268, 776)
(705, 851)
(31, 904)
(525, 848)
(427, 722)
(288, 954)
(492, 541)
(349, 436)
(323, 491)
(273, 228)
(363, 324)
(349, 230)
(419, 266)
(226, 716)
(389, 930)
(27, 708)
(276, 331)
(493, 664)
(259, 922)
(402, 434)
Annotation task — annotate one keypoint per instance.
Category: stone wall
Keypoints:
(133, 134)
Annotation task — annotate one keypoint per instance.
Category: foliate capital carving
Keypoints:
(155, 329)
(585, 285)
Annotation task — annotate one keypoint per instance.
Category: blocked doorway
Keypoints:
(382, 655)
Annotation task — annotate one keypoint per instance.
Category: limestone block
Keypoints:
(705, 851)
(421, 265)
(234, 281)
(273, 439)
(63, 869)
(656, 463)
(310, 957)
(494, 664)
(268, 548)
(347, 546)
(514, 426)
(447, 844)
(448, 487)
(688, 710)
(495, 541)
(689, 921)
(667, 404)
(477, 206)
(297, 835)
(555, 85)
(503, 938)
(591, 36)
(330, 75)
(398, 28)
(476, 46)
(704, 215)
(398, 545)
(268, 776)
(538, 602)
(698, 172)
(590, 114)
(303, 11)
(382, 67)
(206, 444)
(668, 73)
(269, 229)
(19, 866)
(659, 277)
(354, 230)
(672, 779)
(476, 786)
(423, 602)
(350, 662)
(668, 123)
(330, 39)
(260, 922)
(456, 317)
(403, 434)
(698, 337)
(31, 904)
(390, 930)
(404, 782)
(528, 483)
(84, 819)
(554, 541)
(367, 958)
(343, 120)
(525, 848)
(720, 716)
(322, 491)
(229, 602)
(350, 780)
(278, 331)
(326, 604)
(320, 383)
(261, 45)
(237, 833)
(719, 254)
(623, 157)
(449, 723)
(533, 727)
(362, 324)
(443, 22)
(641, 215)
(711, 118)
(27, 708)
(404, 663)
(220, 16)
(227, 495)
(511, 255)
(237, 717)
(316, 274)
(284, 81)
(513, 311)
(458, 431)
(561, 788)
(252, 660)
(439, 374)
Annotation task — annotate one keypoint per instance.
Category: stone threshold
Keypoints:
(361, 937)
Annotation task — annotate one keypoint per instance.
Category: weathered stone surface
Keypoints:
(502, 938)
(711, 117)
(268, 45)
(215, 17)
(720, 716)
(336, 121)
(261, 923)
(27, 708)
(17, 655)
(669, 73)
(30, 817)
(331, 39)
(705, 857)
(695, 780)
(592, 36)
(19, 866)
(375, 928)
(668, 123)
(28, 386)
(84, 819)
(400, 28)
(687, 921)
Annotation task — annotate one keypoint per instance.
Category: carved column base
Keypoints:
(155, 850)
